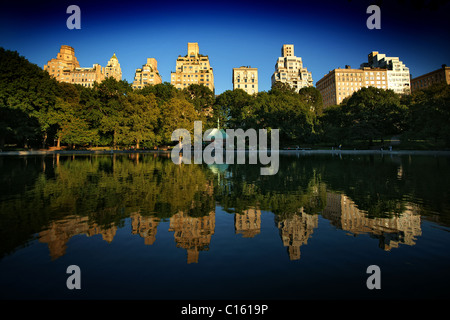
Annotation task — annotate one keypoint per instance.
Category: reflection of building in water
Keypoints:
(295, 231)
(248, 223)
(344, 214)
(145, 226)
(59, 232)
(193, 233)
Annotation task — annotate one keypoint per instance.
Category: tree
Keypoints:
(112, 96)
(279, 87)
(29, 91)
(162, 91)
(312, 97)
(333, 124)
(429, 115)
(232, 108)
(372, 113)
(177, 114)
(203, 100)
(73, 129)
(142, 114)
(286, 112)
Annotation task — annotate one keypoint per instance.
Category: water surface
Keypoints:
(141, 227)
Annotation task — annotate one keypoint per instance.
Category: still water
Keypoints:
(141, 227)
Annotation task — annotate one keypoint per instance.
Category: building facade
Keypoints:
(193, 68)
(60, 67)
(113, 69)
(65, 68)
(441, 75)
(341, 83)
(398, 75)
(147, 75)
(380, 72)
(289, 69)
(246, 78)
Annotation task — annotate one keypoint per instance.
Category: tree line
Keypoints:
(36, 111)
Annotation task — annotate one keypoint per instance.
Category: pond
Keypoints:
(139, 226)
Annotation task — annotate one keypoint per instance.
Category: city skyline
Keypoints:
(326, 35)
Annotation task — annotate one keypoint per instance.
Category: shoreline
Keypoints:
(300, 151)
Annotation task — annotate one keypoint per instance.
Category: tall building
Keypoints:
(246, 78)
(147, 75)
(193, 68)
(289, 69)
(87, 76)
(341, 83)
(397, 73)
(441, 75)
(113, 69)
(380, 72)
(65, 68)
(60, 67)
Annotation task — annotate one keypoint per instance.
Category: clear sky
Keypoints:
(325, 34)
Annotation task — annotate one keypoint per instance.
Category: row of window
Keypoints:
(245, 80)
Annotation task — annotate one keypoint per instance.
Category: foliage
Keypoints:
(37, 111)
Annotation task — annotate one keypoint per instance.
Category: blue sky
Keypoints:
(326, 34)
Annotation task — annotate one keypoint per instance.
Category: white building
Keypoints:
(289, 69)
(246, 78)
(398, 76)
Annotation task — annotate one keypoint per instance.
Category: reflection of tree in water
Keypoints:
(106, 189)
(97, 193)
(292, 188)
(382, 186)
(344, 214)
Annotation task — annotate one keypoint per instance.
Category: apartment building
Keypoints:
(289, 69)
(398, 75)
(246, 78)
(147, 75)
(113, 69)
(193, 68)
(61, 66)
(66, 68)
(341, 83)
(441, 75)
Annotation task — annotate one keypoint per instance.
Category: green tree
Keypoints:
(29, 93)
(430, 113)
(142, 114)
(372, 113)
(233, 107)
(112, 96)
(203, 100)
(162, 91)
(279, 87)
(284, 111)
(176, 114)
(332, 123)
(312, 98)
(72, 129)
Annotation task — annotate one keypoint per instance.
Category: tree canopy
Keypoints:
(38, 111)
